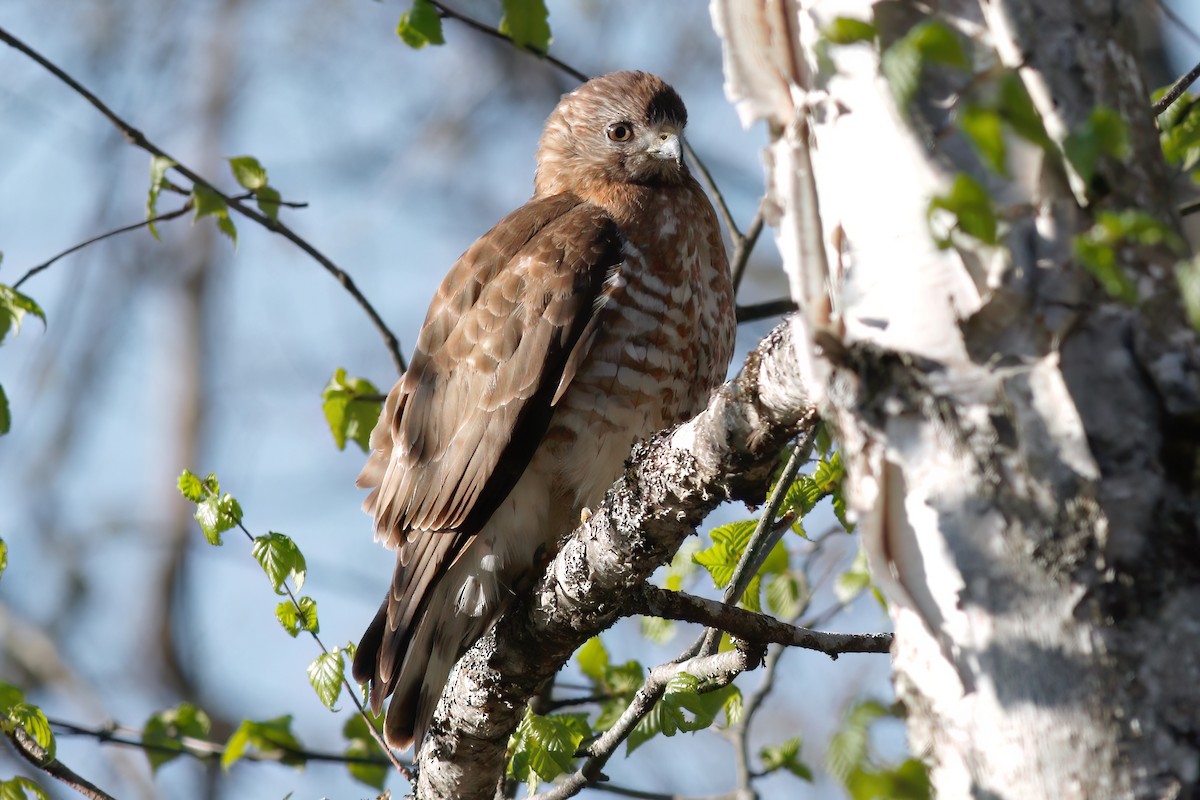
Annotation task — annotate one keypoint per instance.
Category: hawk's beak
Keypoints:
(667, 145)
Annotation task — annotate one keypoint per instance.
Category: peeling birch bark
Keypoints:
(1022, 450)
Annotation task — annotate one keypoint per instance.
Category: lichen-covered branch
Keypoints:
(755, 628)
(671, 483)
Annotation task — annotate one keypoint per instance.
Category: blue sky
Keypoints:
(404, 158)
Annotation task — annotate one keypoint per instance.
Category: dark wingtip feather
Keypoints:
(367, 654)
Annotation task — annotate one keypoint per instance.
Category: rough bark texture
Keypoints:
(671, 483)
(1021, 448)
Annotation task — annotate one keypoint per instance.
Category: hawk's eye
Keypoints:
(620, 131)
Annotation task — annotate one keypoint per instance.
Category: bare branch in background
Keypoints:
(138, 139)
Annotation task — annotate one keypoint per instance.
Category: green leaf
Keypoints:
(268, 199)
(847, 30)
(926, 43)
(1103, 133)
(785, 596)
(281, 559)
(829, 474)
(163, 732)
(349, 415)
(1097, 249)
(1016, 108)
(546, 746)
(420, 25)
(30, 719)
(5, 413)
(526, 22)
(272, 738)
(728, 543)
(215, 512)
(158, 175)
(657, 629)
(971, 207)
(622, 682)
(1187, 272)
(207, 202)
(217, 515)
(593, 659)
(854, 580)
(13, 308)
(824, 440)
(9, 696)
(21, 788)
(850, 761)
(785, 756)
(683, 708)
(3, 556)
(360, 744)
(1179, 131)
(325, 675)
(192, 487)
(248, 172)
(295, 618)
(983, 127)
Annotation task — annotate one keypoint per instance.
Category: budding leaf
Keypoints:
(420, 25)
(325, 675)
(281, 559)
(526, 22)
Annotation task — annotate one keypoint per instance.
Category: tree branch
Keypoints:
(201, 749)
(755, 628)
(138, 139)
(449, 13)
(351, 690)
(179, 212)
(32, 752)
(715, 670)
(671, 483)
(771, 308)
(743, 247)
(1177, 89)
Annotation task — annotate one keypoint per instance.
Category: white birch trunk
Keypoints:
(1021, 448)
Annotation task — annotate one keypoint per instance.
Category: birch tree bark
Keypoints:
(1021, 443)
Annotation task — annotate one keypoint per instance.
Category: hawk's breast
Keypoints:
(664, 343)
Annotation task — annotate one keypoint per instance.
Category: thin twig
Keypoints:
(449, 13)
(350, 689)
(1177, 89)
(200, 749)
(138, 139)
(740, 730)
(743, 247)
(735, 233)
(766, 534)
(33, 752)
(179, 212)
(1189, 208)
(715, 671)
(755, 628)
(771, 308)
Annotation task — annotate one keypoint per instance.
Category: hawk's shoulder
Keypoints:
(504, 332)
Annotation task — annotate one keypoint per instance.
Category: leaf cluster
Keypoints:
(13, 307)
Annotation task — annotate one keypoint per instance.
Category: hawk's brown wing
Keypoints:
(506, 330)
(462, 424)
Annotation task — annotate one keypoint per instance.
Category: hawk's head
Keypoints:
(624, 127)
